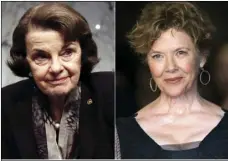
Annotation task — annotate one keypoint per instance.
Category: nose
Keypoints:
(56, 66)
(171, 64)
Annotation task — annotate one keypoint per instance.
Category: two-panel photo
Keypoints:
(114, 80)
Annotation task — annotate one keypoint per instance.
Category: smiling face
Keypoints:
(55, 66)
(174, 62)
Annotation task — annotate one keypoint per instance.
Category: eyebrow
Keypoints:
(34, 51)
(180, 48)
(67, 45)
(44, 50)
(154, 51)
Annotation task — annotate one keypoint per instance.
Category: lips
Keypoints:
(58, 81)
(173, 80)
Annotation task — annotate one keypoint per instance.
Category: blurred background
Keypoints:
(100, 16)
(132, 77)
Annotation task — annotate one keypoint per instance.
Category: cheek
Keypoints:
(73, 67)
(188, 66)
(156, 69)
(39, 72)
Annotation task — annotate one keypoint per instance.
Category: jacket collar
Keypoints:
(23, 128)
(87, 123)
(22, 125)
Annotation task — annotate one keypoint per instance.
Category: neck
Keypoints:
(57, 105)
(181, 104)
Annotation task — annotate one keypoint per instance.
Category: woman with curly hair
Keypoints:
(175, 39)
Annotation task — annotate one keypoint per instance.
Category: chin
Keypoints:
(175, 92)
(58, 91)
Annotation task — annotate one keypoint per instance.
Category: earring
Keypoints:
(209, 76)
(151, 86)
(30, 74)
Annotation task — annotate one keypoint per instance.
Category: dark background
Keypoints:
(128, 64)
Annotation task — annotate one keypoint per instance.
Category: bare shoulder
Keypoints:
(211, 117)
(149, 113)
(214, 109)
(145, 111)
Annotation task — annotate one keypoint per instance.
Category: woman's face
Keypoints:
(55, 66)
(174, 62)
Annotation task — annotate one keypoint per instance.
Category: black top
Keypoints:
(96, 130)
(136, 144)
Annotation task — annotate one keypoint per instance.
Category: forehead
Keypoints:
(172, 39)
(37, 38)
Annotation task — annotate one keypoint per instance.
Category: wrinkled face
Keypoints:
(174, 62)
(55, 66)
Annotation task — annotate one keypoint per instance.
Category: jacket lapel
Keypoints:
(22, 125)
(87, 124)
(23, 129)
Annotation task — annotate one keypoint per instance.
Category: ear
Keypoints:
(203, 58)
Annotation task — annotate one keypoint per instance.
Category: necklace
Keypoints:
(56, 125)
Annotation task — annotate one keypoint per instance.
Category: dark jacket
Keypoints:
(96, 132)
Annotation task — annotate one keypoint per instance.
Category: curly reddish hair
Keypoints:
(157, 17)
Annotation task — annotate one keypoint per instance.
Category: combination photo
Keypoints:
(114, 80)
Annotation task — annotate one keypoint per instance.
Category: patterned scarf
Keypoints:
(45, 134)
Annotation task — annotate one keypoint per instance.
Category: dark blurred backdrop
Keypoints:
(132, 77)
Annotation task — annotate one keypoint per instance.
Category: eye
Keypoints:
(181, 53)
(157, 56)
(67, 53)
(40, 58)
